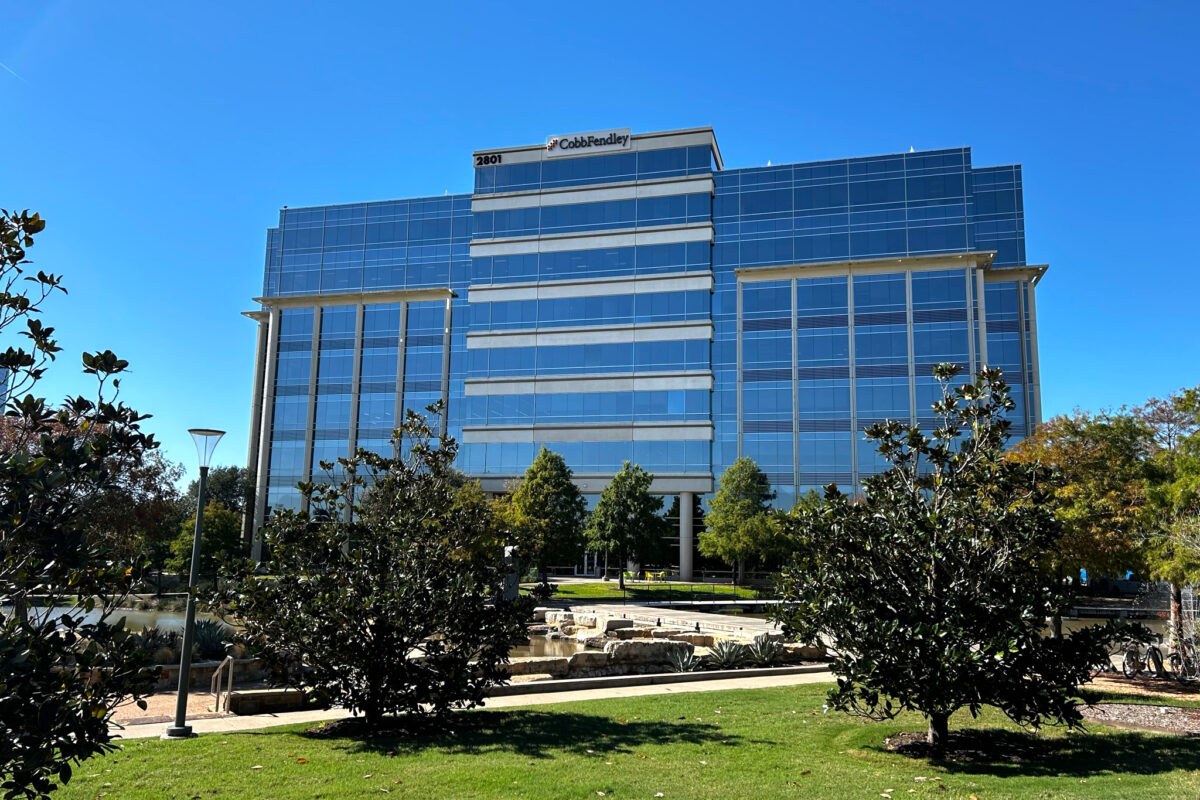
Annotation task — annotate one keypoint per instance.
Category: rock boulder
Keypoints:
(588, 660)
(586, 620)
(555, 666)
(697, 639)
(645, 651)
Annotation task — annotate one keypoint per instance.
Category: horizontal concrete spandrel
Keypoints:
(699, 483)
(609, 334)
(626, 237)
(595, 194)
(572, 384)
(621, 432)
(591, 287)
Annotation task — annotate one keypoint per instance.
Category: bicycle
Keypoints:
(1134, 661)
(1185, 661)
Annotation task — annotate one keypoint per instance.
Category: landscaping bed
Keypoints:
(1144, 716)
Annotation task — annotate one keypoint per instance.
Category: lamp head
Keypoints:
(206, 441)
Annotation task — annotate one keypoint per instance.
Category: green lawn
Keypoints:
(768, 743)
(667, 590)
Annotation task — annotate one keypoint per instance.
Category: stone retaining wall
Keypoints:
(620, 646)
(201, 673)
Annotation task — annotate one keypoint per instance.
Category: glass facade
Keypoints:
(645, 305)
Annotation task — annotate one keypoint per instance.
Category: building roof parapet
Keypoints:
(655, 140)
(979, 259)
(355, 298)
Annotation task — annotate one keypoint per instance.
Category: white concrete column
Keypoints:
(267, 422)
(256, 410)
(310, 425)
(686, 545)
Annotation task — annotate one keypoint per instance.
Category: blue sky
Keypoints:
(159, 142)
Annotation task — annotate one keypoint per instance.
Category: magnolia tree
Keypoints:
(396, 607)
(66, 660)
(931, 588)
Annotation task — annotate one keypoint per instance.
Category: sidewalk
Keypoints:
(232, 724)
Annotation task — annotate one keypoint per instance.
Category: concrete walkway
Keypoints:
(678, 618)
(232, 724)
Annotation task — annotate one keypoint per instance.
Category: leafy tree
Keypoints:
(930, 588)
(1173, 420)
(138, 517)
(625, 522)
(229, 486)
(220, 542)
(545, 512)
(63, 666)
(1100, 469)
(738, 525)
(399, 609)
(1173, 496)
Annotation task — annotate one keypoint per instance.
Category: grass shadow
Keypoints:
(529, 733)
(1010, 754)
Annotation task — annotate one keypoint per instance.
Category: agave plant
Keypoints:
(210, 638)
(685, 661)
(765, 653)
(154, 638)
(727, 654)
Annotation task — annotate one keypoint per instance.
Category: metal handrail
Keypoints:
(216, 682)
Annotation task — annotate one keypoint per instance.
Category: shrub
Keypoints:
(930, 587)
(164, 655)
(396, 607)
(66, 658)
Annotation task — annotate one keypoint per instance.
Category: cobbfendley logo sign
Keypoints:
(594, 142)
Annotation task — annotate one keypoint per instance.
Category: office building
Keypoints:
(619, 296)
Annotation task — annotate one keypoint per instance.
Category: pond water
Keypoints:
(543, 646)
(136, 620)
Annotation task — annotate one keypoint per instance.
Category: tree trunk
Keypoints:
(939, 732)
(1176, 625)
(739, 575)
(1056, 617)
(621, 579)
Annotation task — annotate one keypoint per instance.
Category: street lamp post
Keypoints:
(206, 441)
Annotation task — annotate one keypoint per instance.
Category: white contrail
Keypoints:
(12, 72)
